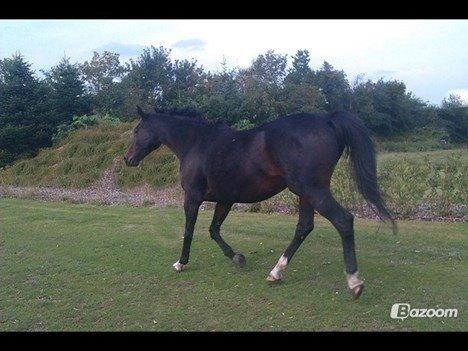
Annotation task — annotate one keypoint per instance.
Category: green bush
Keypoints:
(82, 122)
(76, 161)
(244, 124)
(425, 140)
(447, 183)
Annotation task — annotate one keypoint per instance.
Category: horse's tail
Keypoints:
(353, 134)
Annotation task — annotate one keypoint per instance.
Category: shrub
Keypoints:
(425, 140)
(82, 122)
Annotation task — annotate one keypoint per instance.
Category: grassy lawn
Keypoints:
(419, 155)
(84, 267)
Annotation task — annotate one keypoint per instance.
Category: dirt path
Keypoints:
(105, 193)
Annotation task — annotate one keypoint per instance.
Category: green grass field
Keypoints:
(436, 155)
(84, 267)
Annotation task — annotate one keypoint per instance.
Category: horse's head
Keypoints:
(144, 140)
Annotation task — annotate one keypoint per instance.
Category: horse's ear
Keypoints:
(141, 113)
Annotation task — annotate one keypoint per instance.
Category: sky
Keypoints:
(430, 56)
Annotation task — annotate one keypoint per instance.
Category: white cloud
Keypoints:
(431, 57)
(189, 44)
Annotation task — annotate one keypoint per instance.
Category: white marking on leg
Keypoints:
(276, 272)
(353, 280)
(178, 267)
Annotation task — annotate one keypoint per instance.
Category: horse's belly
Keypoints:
(245, 190)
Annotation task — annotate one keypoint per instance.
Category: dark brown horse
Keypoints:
(299, 152)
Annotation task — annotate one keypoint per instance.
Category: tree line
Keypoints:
(34, 109)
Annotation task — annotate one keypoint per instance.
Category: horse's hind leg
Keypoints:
(303, 228)
(220, 214)
(343, 221)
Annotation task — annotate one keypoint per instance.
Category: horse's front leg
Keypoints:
(191, 206)
(220, 214)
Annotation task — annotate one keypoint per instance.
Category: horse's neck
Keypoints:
(180, 136)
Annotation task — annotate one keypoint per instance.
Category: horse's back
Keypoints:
(305, 147)
(303, 133)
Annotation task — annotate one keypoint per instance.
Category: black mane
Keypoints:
(189, 114)
(183, 112)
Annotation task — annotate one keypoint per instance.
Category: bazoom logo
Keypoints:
(404, 310)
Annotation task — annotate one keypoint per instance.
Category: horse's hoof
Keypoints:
(239, 260)
(357, 291)
(274, 278)
(178, 267)
(355, 285)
